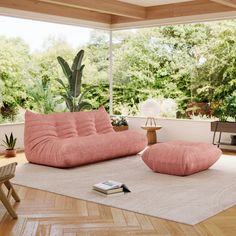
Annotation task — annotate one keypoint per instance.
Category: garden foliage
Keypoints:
(188, 63)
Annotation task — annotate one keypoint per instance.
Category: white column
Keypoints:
(110, 74)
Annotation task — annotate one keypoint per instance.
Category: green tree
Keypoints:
(193, 62)
(41, 98)
(14, 74)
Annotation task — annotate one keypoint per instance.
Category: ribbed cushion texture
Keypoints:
(181, 157)
(78, 138)
(102, 121)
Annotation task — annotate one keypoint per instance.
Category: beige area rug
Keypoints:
(187, 200)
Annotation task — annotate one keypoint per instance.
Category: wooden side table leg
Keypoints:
(151, 136)
(219, 140)
(7, 204)
(14, 194)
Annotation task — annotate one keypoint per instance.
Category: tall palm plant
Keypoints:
(73, 95)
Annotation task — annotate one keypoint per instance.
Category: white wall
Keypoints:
(18, 131)
(180, 129)
(172, 129)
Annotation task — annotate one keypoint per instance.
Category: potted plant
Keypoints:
(8, 111)
(119, 123)
(226, 113)
(9, 143)
(199, 107)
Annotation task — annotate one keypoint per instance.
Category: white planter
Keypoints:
(18, 131)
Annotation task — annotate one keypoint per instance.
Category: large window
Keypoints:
(192, 65)
(29, 68)
(188, 69)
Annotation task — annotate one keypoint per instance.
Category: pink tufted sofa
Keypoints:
(78, 138)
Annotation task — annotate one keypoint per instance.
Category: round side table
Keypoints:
(151, 133)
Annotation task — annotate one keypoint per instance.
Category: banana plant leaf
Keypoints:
(64, 86)
(77, 75)
(73, 96)
(81, 96)
(78, 60)
(66, 70)
(65, 67)
(83, 105)
(69, 102)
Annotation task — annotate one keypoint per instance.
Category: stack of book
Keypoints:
(110, 188)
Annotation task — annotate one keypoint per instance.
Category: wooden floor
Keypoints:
(42, 213)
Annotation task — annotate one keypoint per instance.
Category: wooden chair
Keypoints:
(6, 173)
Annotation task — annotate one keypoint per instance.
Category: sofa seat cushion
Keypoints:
(77, 151)
(181, 157)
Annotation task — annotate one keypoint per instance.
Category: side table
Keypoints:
(151, 133)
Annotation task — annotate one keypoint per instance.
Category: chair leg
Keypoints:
(7, 204)
(14, 194)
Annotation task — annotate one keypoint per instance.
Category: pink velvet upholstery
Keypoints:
(102, 121)
(74, 139)
(180, 157)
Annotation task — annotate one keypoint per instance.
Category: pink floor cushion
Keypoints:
(180, 157)
(77, 138)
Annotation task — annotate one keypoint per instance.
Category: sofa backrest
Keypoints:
(68, 124)
(102, 121)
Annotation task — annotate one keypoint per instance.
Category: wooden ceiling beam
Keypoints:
(229, 3)
(112, 7)
(52, 9)
(95, 11)
(193, 8)
(198, 7)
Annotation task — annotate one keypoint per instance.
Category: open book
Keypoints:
(111, 187)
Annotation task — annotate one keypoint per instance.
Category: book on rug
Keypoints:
(111, 187)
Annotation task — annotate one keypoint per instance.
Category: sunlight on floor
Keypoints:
(20, 159)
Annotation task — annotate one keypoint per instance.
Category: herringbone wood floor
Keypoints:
(42, 213)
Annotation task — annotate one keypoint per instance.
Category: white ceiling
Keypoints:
(149, 3)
